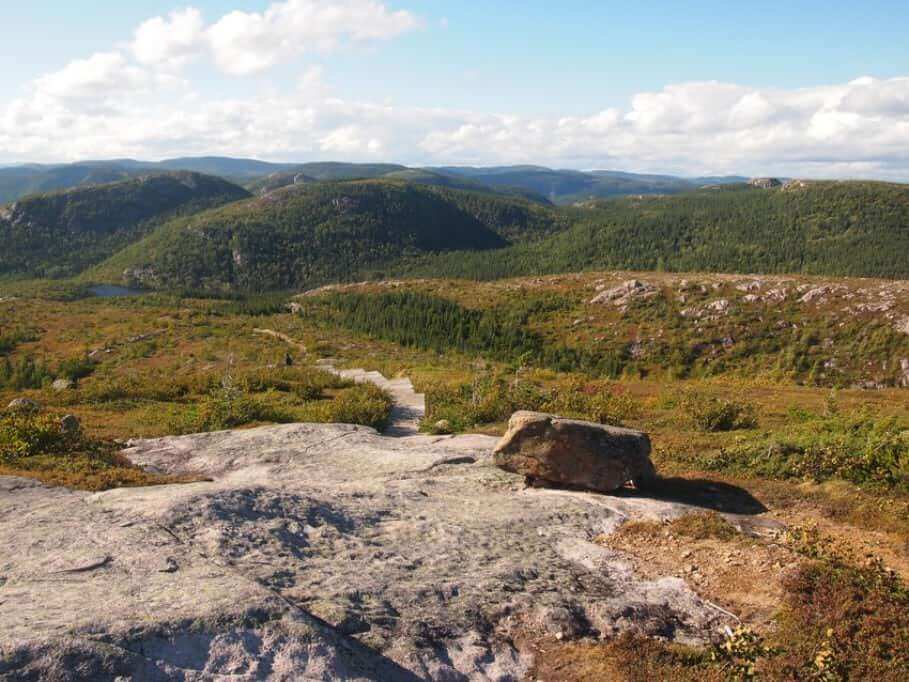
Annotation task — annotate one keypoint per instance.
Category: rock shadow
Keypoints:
(717, 496)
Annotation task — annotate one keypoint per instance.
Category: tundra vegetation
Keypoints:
(796, 399)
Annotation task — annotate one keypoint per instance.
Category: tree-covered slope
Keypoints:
(310, 234)
(829, 228)
(62, 233)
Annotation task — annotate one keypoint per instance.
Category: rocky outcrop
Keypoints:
(622, 295)
(575, 453)
(765, 183)
(322, 552)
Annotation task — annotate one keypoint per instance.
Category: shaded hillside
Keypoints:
(310, 234)
(830, 228)
(60, 234)
(570, 186)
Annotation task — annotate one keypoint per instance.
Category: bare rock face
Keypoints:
(576, 453)
(322, 552)
(765, 183)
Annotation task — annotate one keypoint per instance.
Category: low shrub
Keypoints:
(488, 399)
(303, 382)
(592, 401)
(36, 446)
(710, 413)
(858, 447)
(24, 374)
(10, 339)
(842, 618)
(364, 404)
(705, 526)
(75, 368)
(492, 398)
(228, 406)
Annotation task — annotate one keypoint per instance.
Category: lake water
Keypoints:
(112, 291)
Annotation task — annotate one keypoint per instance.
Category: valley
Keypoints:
(208, 369)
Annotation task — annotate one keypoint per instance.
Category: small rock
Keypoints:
(69, 424)
(719, 306)
(63, 384)
(442, 428)
(24, 406)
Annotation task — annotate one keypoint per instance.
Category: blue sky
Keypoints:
(490, 74)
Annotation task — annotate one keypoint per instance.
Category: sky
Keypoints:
(798, 89)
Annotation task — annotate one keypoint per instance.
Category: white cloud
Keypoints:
(244, 43)
(171, 40)
(857, 128)
(96, 75)
(131, 102)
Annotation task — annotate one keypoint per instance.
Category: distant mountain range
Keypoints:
(533, 182)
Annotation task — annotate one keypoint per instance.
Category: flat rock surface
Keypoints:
(319, 552)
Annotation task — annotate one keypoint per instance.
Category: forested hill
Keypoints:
(830, 228)
(62, 233)
(174, 231)
(314, 233)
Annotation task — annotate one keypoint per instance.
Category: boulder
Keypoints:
(547, 448)
(70, 424)
(63, 385)
(24, 405)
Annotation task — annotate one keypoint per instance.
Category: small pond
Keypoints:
(112, 291)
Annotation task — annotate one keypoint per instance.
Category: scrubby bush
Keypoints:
(842, 618)
(710, 413)
(304, 382)
(858, 447)
(488, 399)
(229, 406)
(494, 397)
(12, 338)
(364, 404)
(37, 446)
(592, 401)
(75, 368)
(24, 374)
(23, 434)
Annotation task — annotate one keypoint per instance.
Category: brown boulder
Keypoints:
(543, 447)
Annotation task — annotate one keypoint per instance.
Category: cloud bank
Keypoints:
(139, 100)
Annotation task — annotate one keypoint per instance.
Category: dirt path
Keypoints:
(410, 406)
(281, 337)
